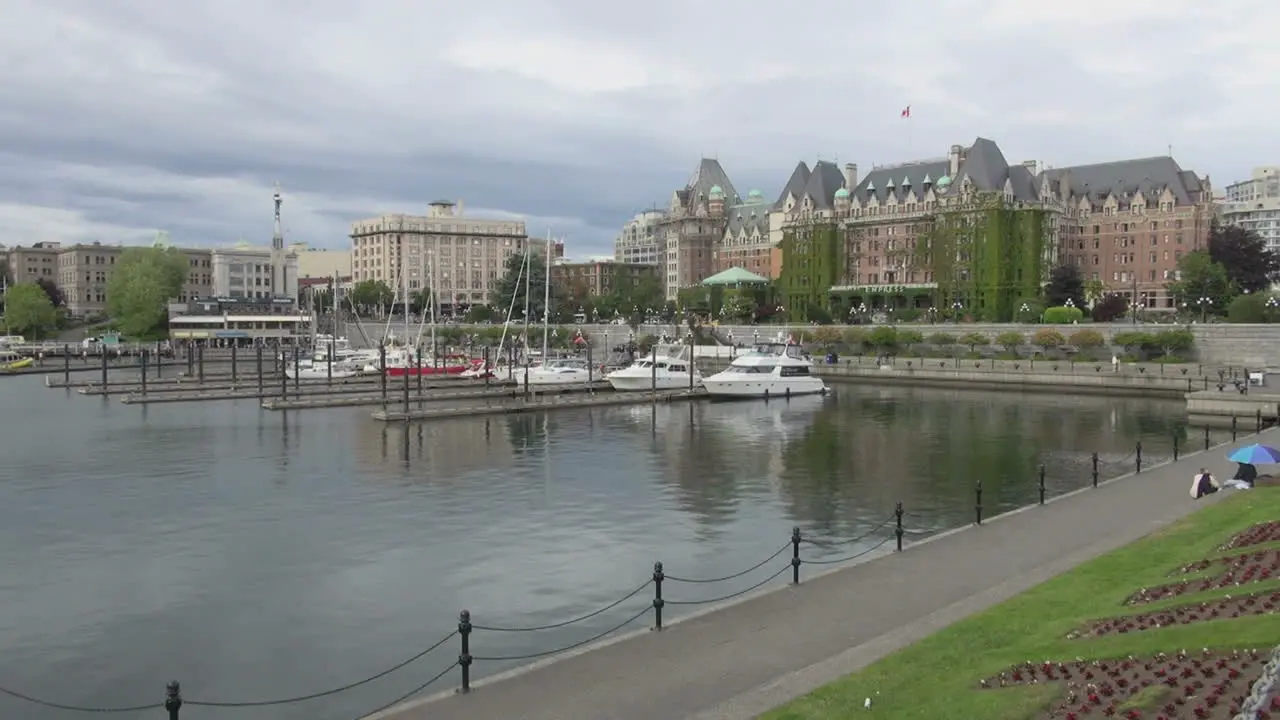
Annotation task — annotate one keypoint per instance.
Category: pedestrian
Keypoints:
(1203, 484)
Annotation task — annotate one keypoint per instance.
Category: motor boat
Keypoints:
(562, 371)
(778, 369)
(660, 372)
(477, 372)
(323, 370)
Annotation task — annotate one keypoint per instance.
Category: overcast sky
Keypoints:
(121, 117)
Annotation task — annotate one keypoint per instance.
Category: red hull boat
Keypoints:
(450, 366)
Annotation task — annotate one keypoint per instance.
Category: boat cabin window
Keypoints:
(779, 349)
(754, 369)
(677, 368)
(794, 371)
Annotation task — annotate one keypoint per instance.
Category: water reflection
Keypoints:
(220, 543)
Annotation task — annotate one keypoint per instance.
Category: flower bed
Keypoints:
(1261, 533)
(1234, 562)
(1204, 686)
(1248, 571)
(1222, 609)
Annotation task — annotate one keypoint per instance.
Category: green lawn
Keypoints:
(937, 678)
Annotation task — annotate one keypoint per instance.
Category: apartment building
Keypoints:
(83, 271)
(458, 257)
(33, 262)
(245, 272)
(1254, 204)
(599, 277)
(638, 241)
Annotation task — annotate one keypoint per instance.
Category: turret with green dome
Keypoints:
(842, 193)
(716, 192)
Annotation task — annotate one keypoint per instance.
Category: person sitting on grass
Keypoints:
(1244, 478)
(1203, 484)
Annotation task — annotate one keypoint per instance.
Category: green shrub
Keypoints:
(1086, 339)
(1047, 339)
(883, 338)
(1063, 315)
(1010, 340)
(973, 340)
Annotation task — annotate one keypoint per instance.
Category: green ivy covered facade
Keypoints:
(813, 260)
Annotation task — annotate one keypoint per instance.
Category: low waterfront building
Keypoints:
(239, 320)
(601, 276)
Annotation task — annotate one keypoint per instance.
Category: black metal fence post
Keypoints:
(235, 373)
(191, 360)
(898, 531)
(1094, 459)
(259, 363)
(487, 373)
(104, 367)
(297, 370)
(173, 699)
(142, 358)
(464, 654)
(977, 505)
(1138, 458)
(1041, 483)
(1233, 427)
(418, 356)
(1206, 437)
(1175, 447)
(200, 363)
(406, 393)
(382, 368)
(66, 363)
(658, 602)
(795, 555)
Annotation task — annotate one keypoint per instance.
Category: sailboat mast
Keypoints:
(527, 258)
(546, 300)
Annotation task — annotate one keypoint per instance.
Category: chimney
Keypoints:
(458, 209)
(851, 176)
(1032, 165)
(953, 160)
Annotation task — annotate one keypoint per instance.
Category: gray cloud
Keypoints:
(117, 119)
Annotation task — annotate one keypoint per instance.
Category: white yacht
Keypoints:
(563, 371)
(663, 372)
(319, 370)
(778, 369)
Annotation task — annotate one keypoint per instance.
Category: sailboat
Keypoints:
(560, 371)
(412, 363)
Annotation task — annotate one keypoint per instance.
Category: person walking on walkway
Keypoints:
(1203, 484)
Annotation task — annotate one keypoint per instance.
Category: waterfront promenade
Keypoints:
(745, 659)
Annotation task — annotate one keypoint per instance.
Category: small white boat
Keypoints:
(665, 372)
(567, 371)
(778, 369)
(323, 371)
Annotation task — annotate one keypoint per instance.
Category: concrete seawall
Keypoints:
(1140, 379)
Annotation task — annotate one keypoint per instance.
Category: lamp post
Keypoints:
(1270, 307)
(956, 307)
(755, 337)
(933, 314)
(1205, 303)
(781, 311)
(1024, 311)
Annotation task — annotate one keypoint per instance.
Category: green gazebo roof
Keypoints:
(735, 276)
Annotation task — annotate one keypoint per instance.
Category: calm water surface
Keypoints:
(253, 555)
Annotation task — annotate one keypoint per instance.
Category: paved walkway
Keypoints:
(747, 658)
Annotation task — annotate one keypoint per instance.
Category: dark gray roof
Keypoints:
(708, 175)
(748, 217)
(882, 181)
(1127, 178)
(823, 183)
(795, 186)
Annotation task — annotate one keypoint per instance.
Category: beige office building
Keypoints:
(321, 262)
(460, 258)
(84, 270)
(39, 260)
(245, 272)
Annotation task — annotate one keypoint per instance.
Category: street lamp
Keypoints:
(1205, 303)
(1024, 311)
(755, 337)
(956, 307)
(933, 314)
(1270, 307)
(780, 311)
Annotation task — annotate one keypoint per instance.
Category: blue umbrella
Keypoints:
(1256, 455)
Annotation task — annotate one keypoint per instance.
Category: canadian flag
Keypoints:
(906, 111)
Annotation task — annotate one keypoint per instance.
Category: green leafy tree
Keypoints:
(1109, 308)
(28, 310)
(1029, 310)
(1248, 263)
(1010, 340)
(52, 290)
(1094, 291)
(1202, 277)
(973, 340)
(883, 338)
(856, 339)
(909, 338)
(370, 294)
(1087, 339)
(479, 314)
(1063, 315)
(141, 286)
(1048, 339)
(1174, 341)
(1134, 342)
(1065, 284)
(942, 340)
(1249, 308)
(514, 287)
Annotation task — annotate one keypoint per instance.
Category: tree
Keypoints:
(1063, 315)
(370, 294)
(1172, 341)
(1109, 308)
(1047, 339)
(1249, 308)
(1087, 339)
(52, 290)
(1094, 291)
(1249, 265)
(516, 285)
(973, 340)
(1202, 279)
(909, 338)
(1066, 286)
(1010, 340)
(140, 287)
(28, 310)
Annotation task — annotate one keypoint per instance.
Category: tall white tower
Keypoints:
(279, 267)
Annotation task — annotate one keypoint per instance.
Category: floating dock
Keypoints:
(539, 403)
(494, 392)
(310, 394)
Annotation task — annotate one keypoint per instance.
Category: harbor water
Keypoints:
(253, 555)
